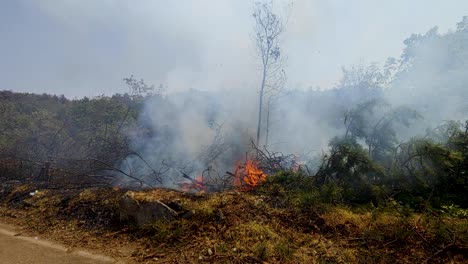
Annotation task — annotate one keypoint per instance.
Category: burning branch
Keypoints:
(272, 162)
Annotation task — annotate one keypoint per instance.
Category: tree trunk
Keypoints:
(268, 122)
(260, 107)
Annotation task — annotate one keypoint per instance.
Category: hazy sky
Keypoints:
(85, 47)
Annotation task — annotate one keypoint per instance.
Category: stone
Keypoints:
(144, 212)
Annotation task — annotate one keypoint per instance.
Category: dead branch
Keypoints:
(112, 168)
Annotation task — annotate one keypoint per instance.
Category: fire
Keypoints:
(198, 183)
(195, 185)
(248, 175)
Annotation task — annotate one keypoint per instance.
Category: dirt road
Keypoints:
(17, 249)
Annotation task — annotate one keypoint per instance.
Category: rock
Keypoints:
(144, 212)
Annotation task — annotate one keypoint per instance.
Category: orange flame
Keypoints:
(196, 185)
(249, 175)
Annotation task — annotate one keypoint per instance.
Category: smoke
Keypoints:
(202, 51)
(191, 133)
(84, 48)
(434, 81)
(194, 133)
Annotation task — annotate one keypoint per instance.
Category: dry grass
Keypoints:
(233, 227)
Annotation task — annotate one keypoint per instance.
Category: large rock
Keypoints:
(143, 212)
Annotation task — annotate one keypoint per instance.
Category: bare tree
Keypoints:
(268, 28)
(140, 88)
(273, 97)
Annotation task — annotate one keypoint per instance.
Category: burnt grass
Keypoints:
(262, 226)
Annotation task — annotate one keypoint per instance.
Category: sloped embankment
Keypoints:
(229, 227)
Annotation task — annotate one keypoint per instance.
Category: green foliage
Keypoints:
(46, 133)
(292, 188)
(331, 193)
(436, 167)
(291, 180)
(455, 211)
(369, 164)
(348, 167)
(42, 133)
(374, 124)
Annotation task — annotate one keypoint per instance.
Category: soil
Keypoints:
(17, 249)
